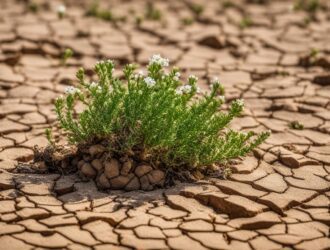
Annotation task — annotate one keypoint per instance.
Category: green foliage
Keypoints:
(227, 4)
(296, 125)
(314, 52)
(138, 20)
(245, 22)
(96, 11)
(152, 13)
(187, 21)
(197, 9)
(307, 5)
(61, 10)
(49, 136)
(33, 6)
(154, 115)
(68, 53)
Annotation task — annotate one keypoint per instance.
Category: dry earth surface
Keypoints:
(277, 197)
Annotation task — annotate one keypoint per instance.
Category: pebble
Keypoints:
(111, 168)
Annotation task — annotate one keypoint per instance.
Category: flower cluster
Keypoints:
(176, 76)
(193, 78)
(157, 59)
(184, 89)
(240, 102)
(222, 99)
(150, 81)
(70, 90)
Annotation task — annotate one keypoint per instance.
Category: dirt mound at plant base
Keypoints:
(108, 170)
(123, 173)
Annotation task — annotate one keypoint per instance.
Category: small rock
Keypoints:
(212, 41)
(119, 182)
(126, 168)
(64, 185)
(142, 170)
(134, 184)
(80, 164)
(87, 157)
(111, 168)
(103, 181)
(88, 170)
(145, 185)
(96, 149)
(156, 176)
(97, 164)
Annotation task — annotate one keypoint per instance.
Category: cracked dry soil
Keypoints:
(277, 197)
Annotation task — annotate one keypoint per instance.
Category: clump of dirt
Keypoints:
(110, 170)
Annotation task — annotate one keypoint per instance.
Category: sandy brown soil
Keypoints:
(277, 197)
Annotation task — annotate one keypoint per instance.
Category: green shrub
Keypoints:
(307, 5)
(66, 55)
(96, 11)
(187, 21)
(197, 9)
(104, 14)
(152, 13)
(296, 125)
(154, 116)
(245, 22)
(33, 6)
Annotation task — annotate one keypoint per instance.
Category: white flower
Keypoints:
(222, 99)
(186, 88)
(149, 81)
(61, 9)
(198, 90)
(177, 76)
(183, 89)
(240, 102)
(60, 98)
(193, 78)
(93, 85)
(71, 90)
(139, 74)
(215, 82)
(157, 59)
(215, 79)
(178, 91)
(108, 61)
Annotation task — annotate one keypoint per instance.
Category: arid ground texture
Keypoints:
(274, 55)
